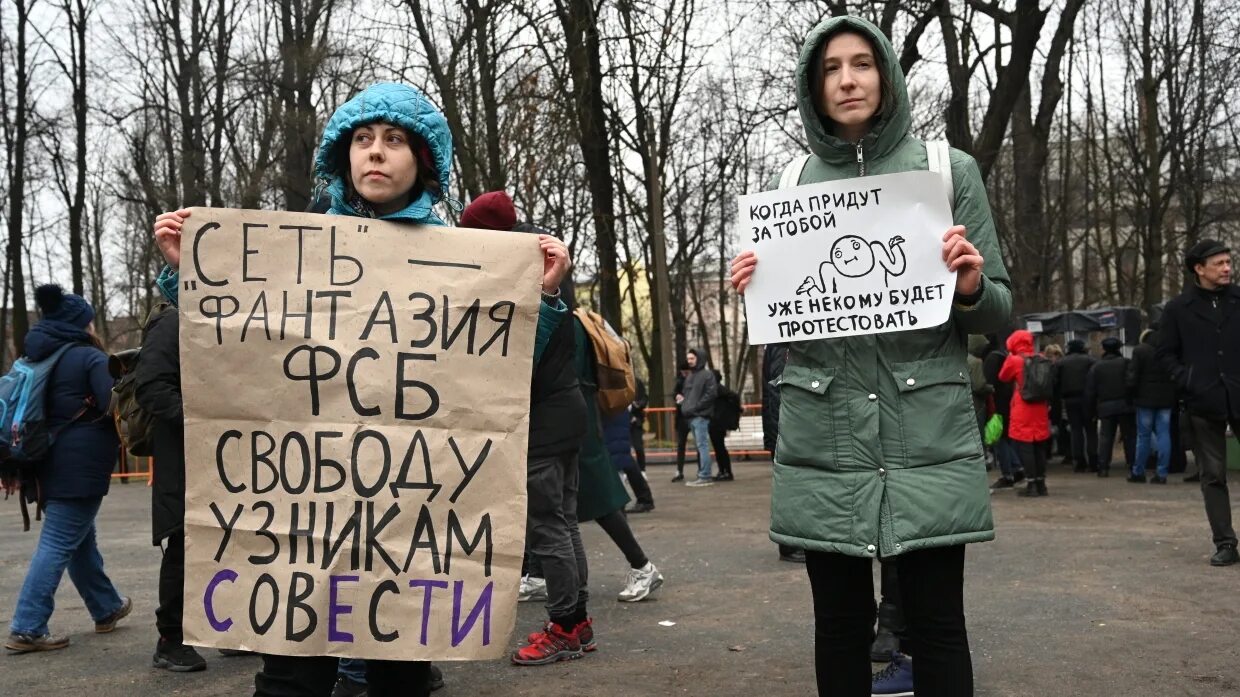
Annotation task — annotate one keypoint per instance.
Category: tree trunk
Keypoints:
(17, 177)
(584, 62)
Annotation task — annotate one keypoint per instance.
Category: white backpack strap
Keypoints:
(938, 153)
(792, 173)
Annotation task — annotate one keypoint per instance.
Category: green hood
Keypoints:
(892, 128)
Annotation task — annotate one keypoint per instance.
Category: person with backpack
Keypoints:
(75, 475)
(726, 417)
(698, 405)
(878, 450)
(386, 154)
(1030, 374)
(1108, 399)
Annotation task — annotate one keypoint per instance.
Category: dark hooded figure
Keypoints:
(698, 405)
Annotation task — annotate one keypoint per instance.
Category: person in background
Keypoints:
(681, 423)
(698, 405)
(1061, 435)
(74, 478)
(1011, 472)
(1153, 394)
(1107, 398)
(983, 391)
(637, 424)
(727, 412)
(1031, 425)
(1071, 374)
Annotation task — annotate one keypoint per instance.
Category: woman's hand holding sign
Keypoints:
(963, 258)
(742, 270)
(556, 263)
(168, 235)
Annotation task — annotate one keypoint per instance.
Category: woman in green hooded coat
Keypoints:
(879, 453)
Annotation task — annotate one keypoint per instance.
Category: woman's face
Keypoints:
(382, 166)
(851, 87)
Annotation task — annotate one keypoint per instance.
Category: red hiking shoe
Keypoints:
(584, 632)
(550, 645)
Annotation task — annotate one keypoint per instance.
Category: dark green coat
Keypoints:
(879, 451)
(601, 491)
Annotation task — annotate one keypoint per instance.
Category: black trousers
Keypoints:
(315, 676)
(617, 528)
(717, 435)
(682, 440)
(168, 615)
(636, 437)
(1126, 424)
(637, 482)
(932, 591)
(1032, 458)
(1084, 434)
(1210, 451)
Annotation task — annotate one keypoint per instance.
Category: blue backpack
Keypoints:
(25, 440)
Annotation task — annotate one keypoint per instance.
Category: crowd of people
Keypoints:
(880, 442)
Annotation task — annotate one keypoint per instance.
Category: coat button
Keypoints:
(882, 472)
(910, 382)
(871, 549)
(872, 397)
(814, 384)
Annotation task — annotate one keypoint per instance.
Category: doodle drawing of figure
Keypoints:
(853, 257)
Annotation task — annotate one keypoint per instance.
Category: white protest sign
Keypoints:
(848, 257)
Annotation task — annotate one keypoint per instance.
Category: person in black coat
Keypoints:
(157, 388)
(1071, 372)
(680, 423)
(74, 478)
(1200, 348)
(637, 423)
(1107, 399)
(1154, 397)
(727, 411)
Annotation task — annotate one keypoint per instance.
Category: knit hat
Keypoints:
(1198, 253)
(1076, 346)
(1112, 345)
(490, 211)
(59, 306)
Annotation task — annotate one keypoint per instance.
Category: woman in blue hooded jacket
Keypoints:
(75, 477)
(385, 154)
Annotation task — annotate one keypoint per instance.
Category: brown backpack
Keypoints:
(617, 385)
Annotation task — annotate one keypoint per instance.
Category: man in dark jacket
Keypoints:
(1010, 469)
(1107, 398)
(1200, 348)
(1154, 396)
(698, 404)
(680, 423)
(1071, 372)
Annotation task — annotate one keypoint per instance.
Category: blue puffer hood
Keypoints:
(399, 105)
(48, 335)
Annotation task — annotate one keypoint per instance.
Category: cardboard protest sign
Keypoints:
(356, 418)
(848, 257)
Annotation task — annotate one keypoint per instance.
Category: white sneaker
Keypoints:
(699, 482)
(640, 584)
(532, 590)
